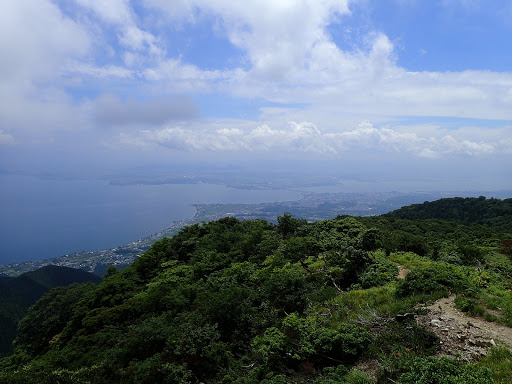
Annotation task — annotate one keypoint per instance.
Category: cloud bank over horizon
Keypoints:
(306, 137)
(309, 78)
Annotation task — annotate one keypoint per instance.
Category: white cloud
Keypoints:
(277, 36)
(188, 78)
(289, 58)
(112, 11)
(111, 71)
(37, 44)
(429, 153)
(36, 41)
(293, 60)
(305, 137)
(119, 13)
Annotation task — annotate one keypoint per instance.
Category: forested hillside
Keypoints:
(18, 294)
(249, 302)
(470, 210)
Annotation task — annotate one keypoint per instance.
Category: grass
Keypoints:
(409, 260)
(368, 306)
(499, 361)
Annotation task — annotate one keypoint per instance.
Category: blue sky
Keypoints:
(441, 35)
(92, 85)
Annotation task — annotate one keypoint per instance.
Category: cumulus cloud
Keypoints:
(292, 59)
(306, 137)
(277, 36)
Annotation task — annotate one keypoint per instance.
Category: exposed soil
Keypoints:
(402, 272)
(466, 337)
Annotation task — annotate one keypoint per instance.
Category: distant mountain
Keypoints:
(471, 210)
(18, 294)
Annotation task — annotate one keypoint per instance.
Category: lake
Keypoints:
(41, 218)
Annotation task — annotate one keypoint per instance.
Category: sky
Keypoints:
(379, 89)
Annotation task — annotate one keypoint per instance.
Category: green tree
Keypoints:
(41, 327)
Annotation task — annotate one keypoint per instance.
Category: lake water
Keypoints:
(41, 219)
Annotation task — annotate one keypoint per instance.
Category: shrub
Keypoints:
(470, 254)
(358, 377)
(445, 371)
(436, 277)
(378, 273)
(339, 375)
(309, 339)
(406, 336)
(468, 305)
(286, 288)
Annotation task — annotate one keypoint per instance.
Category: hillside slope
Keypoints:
(18, 294)
(470, 210)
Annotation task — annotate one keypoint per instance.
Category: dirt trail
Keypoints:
(462, 335)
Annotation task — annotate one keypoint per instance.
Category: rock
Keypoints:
(435, 323)
(485, 343)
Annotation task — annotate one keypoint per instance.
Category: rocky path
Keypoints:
(461, 335)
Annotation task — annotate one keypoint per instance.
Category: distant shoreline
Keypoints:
(312, 206)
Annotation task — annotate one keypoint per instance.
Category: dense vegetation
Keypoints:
(18, 294)
(492, 212)
(249, 302)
